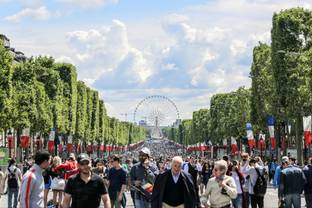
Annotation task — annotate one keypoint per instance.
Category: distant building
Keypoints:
(177, 123)
(142, 123)
(5, 40)
(18, 56)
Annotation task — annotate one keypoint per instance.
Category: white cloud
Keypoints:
(88, 3)
(238, 47)
(64, 59)
(41, 13)
(106, 56)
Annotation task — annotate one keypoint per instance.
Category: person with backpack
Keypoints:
(257, 183)
(13, 175)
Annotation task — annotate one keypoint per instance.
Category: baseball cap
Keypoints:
(83, 157)
(146, 151)
(285, 159)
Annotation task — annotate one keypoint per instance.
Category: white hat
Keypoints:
(145, 150)
(285, 159)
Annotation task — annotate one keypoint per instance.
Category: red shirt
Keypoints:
(70, 168)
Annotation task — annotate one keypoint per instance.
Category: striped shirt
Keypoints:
(32, 188)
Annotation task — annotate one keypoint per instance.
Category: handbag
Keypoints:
(58, 184)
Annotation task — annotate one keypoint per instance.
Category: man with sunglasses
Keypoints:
(86, 188)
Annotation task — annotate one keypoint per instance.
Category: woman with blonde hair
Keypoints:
(221, 189)
(58, 182)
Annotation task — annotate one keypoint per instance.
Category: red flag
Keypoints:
(307, 130)
(24, 142)
(102, 147)
(89, 147)
(60, 148)
(50, 146)
(69, 147)
(261, 142)
(233, 145)
(250, 136)
(10, 141)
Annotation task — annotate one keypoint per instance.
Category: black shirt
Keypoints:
(117, 178)
(85, 194)
(174, 192)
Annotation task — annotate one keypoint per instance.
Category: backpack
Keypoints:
(12, 180)
(261, 184)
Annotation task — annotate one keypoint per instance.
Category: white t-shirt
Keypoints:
(199, 167)
(237, 182)
(18, 173)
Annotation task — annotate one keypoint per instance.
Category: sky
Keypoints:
(186, 50)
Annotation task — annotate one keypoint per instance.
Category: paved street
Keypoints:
(270, 200)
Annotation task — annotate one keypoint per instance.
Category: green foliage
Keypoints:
(262, 86)
(291, 37)
(42, 94)
(95, 115)
(81, 117)
(229, 114)
(88, 132)
(68, 75)
(6, 90)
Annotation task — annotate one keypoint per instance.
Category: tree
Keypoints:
(291, 37)
(262, 86)
(81, 114)
(68, 75)
(6, 90)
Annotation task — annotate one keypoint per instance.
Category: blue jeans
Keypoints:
(142, 204)
(238, 202)
(292, 200)
(12, 192)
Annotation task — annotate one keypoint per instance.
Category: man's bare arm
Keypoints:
(106, 201)
(66, 201)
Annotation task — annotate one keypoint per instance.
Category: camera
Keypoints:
(223, 191)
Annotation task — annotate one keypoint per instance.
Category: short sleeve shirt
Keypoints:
(117, 178)
(85, 194)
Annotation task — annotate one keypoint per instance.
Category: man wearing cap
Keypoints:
(292, 184)
(140, 176)
(85, 189)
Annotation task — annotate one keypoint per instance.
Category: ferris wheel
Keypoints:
(156, 111)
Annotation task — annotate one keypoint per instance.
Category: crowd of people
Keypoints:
(154, 180)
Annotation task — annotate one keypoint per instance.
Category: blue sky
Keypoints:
(187, 50)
